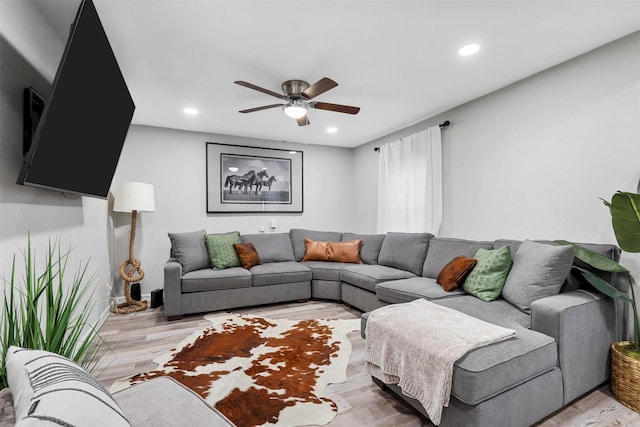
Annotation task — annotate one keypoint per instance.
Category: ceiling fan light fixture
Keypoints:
(295, 111)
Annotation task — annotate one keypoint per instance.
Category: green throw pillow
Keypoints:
(221, 251)
(487, 279)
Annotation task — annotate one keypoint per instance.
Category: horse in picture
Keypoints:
(265, 183)
(238, 181)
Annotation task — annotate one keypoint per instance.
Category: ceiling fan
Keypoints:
(298, 96)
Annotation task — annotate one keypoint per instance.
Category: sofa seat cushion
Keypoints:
(326, 270)
(367, 276)
(407, 290)
(488, 371)
(275, 273)
(209, 279)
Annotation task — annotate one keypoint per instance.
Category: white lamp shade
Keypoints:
(134, 196)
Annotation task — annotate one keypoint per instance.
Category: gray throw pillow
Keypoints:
(538, 271)
(190, 250)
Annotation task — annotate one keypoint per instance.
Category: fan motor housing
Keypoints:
(294, 87)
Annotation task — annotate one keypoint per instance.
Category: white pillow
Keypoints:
(49, 389)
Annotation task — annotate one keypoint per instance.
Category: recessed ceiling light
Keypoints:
(190, 111)
(332, 129)
(469, 49)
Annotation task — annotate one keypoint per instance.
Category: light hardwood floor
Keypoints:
(134, 340)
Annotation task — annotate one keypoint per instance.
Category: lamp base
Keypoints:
(130, 305)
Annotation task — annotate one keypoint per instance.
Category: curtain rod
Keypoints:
(442, 125)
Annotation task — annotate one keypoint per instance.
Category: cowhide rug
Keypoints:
(259, 371)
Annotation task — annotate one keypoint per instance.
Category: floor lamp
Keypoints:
(132, 197)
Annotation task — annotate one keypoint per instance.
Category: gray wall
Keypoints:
(532, 160)
(173, 161)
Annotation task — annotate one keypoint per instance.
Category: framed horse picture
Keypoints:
(242, 179)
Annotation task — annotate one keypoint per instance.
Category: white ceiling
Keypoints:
(397, 60)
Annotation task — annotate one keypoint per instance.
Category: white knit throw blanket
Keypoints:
(416, 344)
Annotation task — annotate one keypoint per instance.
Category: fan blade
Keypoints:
(319, 87)
(264, 107)
(259, 89)
(335, 107)
(303, 121)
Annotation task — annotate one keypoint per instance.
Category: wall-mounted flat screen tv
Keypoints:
(79, 136)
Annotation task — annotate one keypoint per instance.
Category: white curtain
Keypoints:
(410, 183)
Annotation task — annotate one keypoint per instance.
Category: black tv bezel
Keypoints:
(31, 138)
(33, 107)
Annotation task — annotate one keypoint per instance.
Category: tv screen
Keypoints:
(79, 137)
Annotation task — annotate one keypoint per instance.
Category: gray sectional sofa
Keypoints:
(561, 347)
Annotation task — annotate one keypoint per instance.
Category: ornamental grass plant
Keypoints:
(45, 312)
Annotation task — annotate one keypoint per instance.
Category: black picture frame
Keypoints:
(246, 179)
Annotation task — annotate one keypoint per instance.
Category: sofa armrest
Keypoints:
(154, 402)
(584, 326)
(172, 288)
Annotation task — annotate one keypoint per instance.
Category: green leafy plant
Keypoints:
(42, 313)
(625, 219)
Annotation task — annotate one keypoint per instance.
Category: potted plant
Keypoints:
(625, 355)
(42, 313)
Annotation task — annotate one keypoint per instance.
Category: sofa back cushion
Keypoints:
(297, 236)
(190, 250)
(538, 271)
(271, 247)
(371, 245)
(443, 250)
(405, 251)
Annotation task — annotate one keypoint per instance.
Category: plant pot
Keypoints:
(625, 376)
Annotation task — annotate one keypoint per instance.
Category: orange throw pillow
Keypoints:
(247, 254)
(345, 251)
(315, 250)
(454, 273)
(332, 251)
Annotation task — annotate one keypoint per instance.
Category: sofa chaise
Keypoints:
(563, 327)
